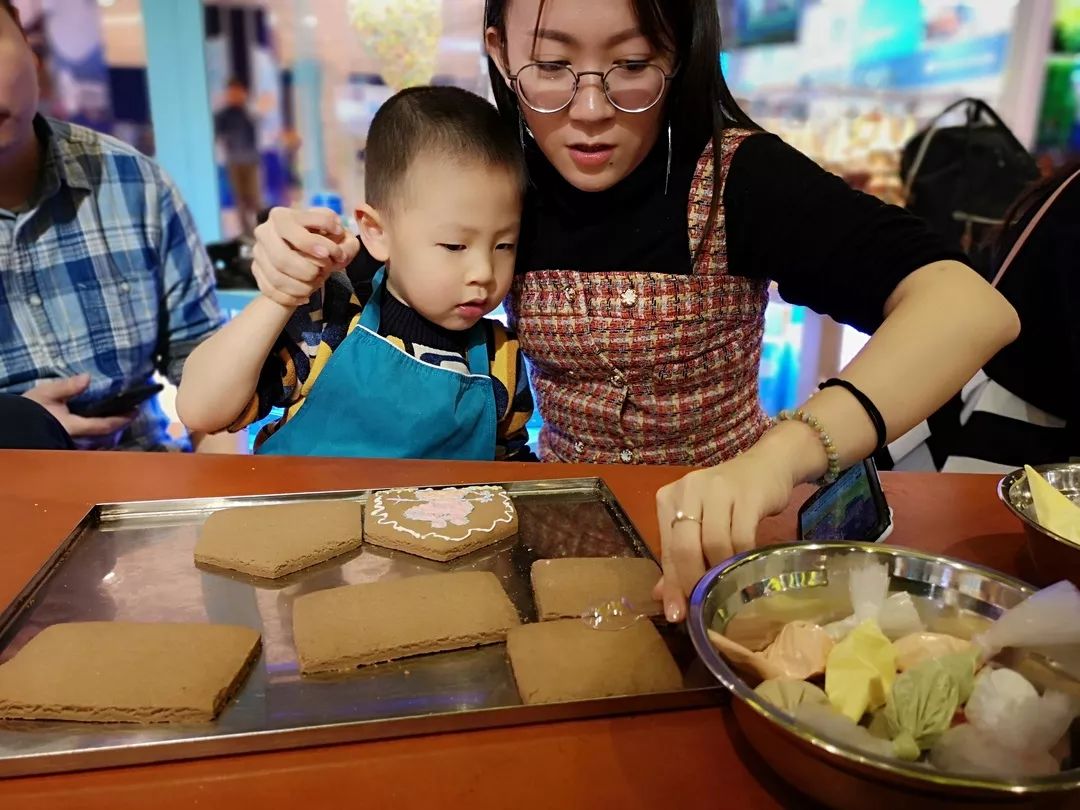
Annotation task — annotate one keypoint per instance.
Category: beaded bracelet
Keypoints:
(799, 415)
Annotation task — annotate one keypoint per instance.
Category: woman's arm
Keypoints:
(942, 322)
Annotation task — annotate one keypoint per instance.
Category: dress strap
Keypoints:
(478, 349)
(371, 316)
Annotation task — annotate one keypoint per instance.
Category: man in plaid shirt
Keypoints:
(103, 279)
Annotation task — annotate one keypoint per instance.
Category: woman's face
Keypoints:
(591, 143)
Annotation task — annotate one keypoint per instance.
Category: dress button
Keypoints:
(124, 286)
(570, 293)
(579, 447)
(618, 379)
(628, 298)
(35, 300)
(626, 456)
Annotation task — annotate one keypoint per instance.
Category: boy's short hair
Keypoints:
(447, 120)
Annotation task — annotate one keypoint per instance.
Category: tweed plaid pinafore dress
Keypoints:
(641, 367)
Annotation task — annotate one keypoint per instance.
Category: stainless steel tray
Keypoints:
(134, 562)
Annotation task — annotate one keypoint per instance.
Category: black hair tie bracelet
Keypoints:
(868, 405)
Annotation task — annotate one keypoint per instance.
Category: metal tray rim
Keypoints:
(116, 510)
(354, 731)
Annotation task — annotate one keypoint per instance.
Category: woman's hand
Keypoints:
(296, 250)
(723, 505)
(942, 323)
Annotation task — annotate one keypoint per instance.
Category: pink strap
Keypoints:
(1019, 244)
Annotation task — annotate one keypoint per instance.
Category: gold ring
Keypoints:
(681, 516)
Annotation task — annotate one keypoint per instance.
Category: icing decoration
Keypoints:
(432, 510)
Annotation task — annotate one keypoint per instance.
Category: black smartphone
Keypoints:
(853, 507)
(118, 404)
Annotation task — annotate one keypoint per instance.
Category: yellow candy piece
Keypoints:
(1055, 511)
(860, 671)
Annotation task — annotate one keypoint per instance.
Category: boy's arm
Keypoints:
(221, 375)
(512, 435)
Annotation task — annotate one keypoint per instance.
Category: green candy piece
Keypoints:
(906, 748)
(787, 694)
(961, 666)
(923, 702)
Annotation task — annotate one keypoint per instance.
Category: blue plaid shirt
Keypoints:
(103, 273)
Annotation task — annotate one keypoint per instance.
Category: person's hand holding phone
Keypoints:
(53, 396)
(851, 508)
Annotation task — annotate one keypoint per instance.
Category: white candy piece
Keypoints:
(838, 631)
(898, 616)
(1043, 728)
(967, 750)
(999, 695)
(869, 585)
(1049, 617)
(870, 599)
(1005, 706)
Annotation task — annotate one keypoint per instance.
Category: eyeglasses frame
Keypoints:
(602, 74)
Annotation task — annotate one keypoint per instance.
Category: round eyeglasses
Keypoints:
(549, 87)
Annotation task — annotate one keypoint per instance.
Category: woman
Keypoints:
(657, 215)
(1024, 408)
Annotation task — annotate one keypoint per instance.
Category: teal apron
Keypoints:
(372, 400)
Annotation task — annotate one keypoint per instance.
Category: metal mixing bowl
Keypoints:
(949, 594)
(1053, 557)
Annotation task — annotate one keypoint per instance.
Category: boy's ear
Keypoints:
(496, 49)
(373, 232)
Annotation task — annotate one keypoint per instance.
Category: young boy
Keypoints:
(415, 371)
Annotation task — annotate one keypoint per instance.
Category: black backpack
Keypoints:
(962, 179)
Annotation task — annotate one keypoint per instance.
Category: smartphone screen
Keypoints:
(851, 508)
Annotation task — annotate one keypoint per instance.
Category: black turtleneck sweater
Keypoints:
(836, 250)
(829, 247)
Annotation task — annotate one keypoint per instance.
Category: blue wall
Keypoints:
(180, 106)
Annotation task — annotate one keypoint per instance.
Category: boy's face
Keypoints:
(450, 239)
(18, 86)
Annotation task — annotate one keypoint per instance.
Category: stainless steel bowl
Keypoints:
(1053, 557)
(949, 594)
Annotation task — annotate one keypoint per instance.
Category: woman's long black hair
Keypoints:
(699, 101)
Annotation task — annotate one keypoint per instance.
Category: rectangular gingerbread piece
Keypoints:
(570, 586)
(343, 628)
(275, 540)
(567, 660)
(440, 524)
(127, 672)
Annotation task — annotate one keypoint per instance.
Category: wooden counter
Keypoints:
(692, 759)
